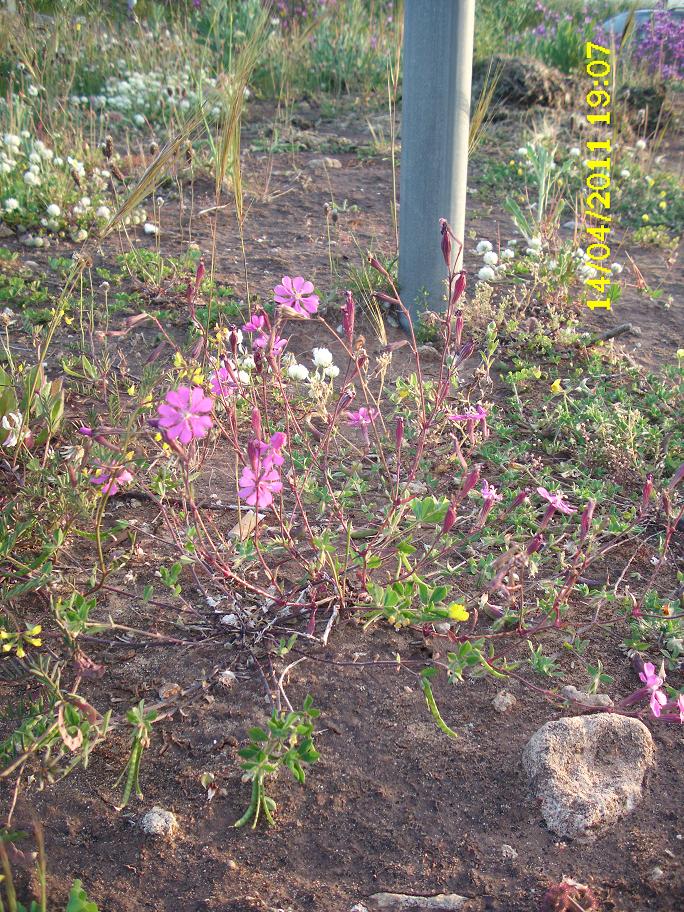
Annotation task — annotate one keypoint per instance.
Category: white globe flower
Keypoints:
(31, 179)
(575, 152)
(486, 274)
(522, 152)
(332, 371)
(322, 357)
(79, 236)
(490, 258)
(139, 120)
(535, 243)
(297, 372)
(150, 228)
(53, 210)
(11, 204)
(244, 377)
(102, 212)
(507, 254)
(616, 268)
(248, 362)
(483, 247)
(640, 144)
(625, 173)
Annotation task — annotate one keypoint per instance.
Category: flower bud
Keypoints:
(446, 241)
(256, 423)
(399, 432)
(348, 313)
(535, 544)
(449, 520)
(459, 326)
(587, 517)
(470, 481)
(459, 287)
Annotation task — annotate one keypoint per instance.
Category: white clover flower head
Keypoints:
(616, 268)
(507, 254)
(490, 258)
(244, 377)
(139, 120)
(53, 210)
(31, 179)
(11, 204)
(588, 271)
(322, 357)
(483, 247)
(248, 362)
(102, 212)
(625, 173)
(523, 152)
(149, 228)
(486, 274)
(640, 144)
(575, 152)
(535, 243)
(297, 372)
(79, 236)
(552, 264)
(332, 371)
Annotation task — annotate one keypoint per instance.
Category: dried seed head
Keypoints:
(108, 147)
(154, 148)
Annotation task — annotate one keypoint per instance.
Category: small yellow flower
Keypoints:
(649, 180)
(663, 194)
(520, 172)
(6, 647)
(21, 652)
(131, 390)
(556, 386)
(178, 360)
(680, 352)
(662, 204)
(33, 641)
(645, 217)
(457, 612)
(4, 635)
(68, 320)
(157, 436)
(34, 631)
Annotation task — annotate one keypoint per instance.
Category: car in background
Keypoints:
(616, 24)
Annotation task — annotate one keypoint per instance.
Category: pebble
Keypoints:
(325, 163)
(504, 701)
(168, 690)
(508, 852)
(397, 902)
(159, 822)
(227, 678)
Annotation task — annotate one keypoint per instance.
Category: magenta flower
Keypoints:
(362, 420)
(680, 707)
(258, 487)
(490, 496)
(297, 294)
(472, 417)
(111, 478)
(184, 414)
(256, 323)
(653, 683)
(279, 344)
(224, 381)
(556, 502)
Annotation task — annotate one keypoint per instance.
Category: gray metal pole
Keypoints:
(438, 60)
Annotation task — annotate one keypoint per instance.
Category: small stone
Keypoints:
(636, 330)
(588, 771)
(359, 907)
(325, 163)
(656, 875)
(230, 620)
(232, 864)
(442, 626)
(579, 696)
(508, 852)
(168, 690)
(504, 701)
(397, 902)
(227, 678)
(159, 822)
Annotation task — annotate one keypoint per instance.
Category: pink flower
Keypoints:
(298, 294)
(258, 487)
(262, 340)
(184, 414)
(657, 701)
(472, 417)
(224, 381)
(363, 418)
(256, 323)
(556, 502)
(680, 707)
(110, 478)
(490, 496)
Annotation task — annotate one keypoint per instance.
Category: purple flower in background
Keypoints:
(256, 323)
(472, 417)
(184, 414)
(556, 502)
(224, 382)
(111, 478)
(362, 420)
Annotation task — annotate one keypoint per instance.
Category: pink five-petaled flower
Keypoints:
(362, 420)
(653, 682)
(224, 381)
(680, 707)
(262, 340)
(256, 323)
(110, 478)
(490, 496)
(297, 294)
(260, 480)
(556, 502)
(184, 413)
(472, 417)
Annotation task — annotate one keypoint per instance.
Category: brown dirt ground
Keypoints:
(393, 804)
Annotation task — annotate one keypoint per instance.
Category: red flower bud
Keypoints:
(399, 431)
(470, 481)
(449, 520)
(646, 494)
(256, 423)
(348, 313)
(459, 287)
(587, 518)
(446, 242)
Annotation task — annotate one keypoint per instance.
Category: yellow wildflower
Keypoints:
(457, 612)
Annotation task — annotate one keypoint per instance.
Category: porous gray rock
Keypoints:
(588, 771)
(398, 902)
(599, 700)
(504, 701)
(159, 822)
